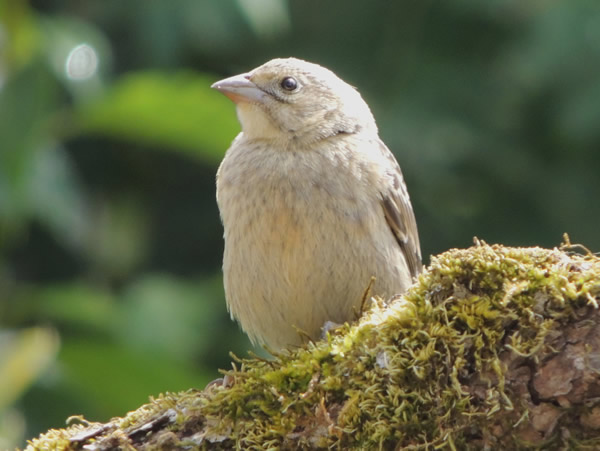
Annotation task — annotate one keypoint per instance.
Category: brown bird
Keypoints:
(312, 202)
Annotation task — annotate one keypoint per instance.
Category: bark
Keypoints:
(493, 347)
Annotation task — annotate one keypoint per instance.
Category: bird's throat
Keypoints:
(256, 123)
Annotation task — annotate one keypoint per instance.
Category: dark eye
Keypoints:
(289, 83)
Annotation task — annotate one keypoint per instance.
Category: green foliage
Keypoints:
(172, 110)
(24, 356)
(109, 232)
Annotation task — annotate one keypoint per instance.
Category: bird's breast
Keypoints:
(301, 241)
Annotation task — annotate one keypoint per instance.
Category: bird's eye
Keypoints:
(289, 83)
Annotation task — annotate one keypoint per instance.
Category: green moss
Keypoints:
(426, 372)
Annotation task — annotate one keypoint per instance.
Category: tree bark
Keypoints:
(492, 348)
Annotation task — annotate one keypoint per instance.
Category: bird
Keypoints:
(313, 205)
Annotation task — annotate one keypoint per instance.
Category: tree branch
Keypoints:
(493, 347)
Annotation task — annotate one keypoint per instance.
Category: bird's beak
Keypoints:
(239, 88)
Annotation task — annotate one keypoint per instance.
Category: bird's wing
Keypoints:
(399, 214)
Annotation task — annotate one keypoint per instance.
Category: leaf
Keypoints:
(25, 100)
(56, 196)
(163, 313)
(179, 111)
(73, 306)
(24, 356)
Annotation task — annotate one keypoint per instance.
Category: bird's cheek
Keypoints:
(291, 121)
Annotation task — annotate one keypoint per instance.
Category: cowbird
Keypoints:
(313, 205)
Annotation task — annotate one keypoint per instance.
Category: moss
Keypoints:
(444, 366)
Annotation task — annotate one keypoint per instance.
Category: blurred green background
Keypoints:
(110, 240)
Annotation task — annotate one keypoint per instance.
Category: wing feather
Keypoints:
(399, 214)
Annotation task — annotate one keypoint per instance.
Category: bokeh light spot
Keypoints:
(82, 62)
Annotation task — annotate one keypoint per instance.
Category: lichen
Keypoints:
(452, 364)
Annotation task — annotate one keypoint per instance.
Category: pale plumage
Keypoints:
(312, 202)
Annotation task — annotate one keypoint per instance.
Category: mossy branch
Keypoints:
(493, 348)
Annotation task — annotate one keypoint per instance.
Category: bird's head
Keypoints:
(294, 99)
